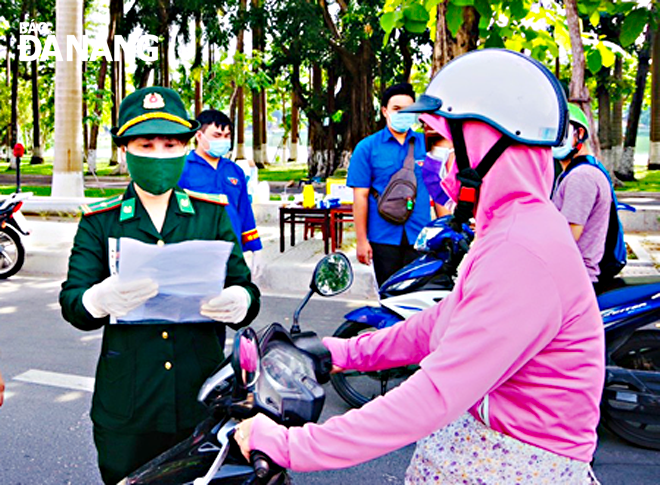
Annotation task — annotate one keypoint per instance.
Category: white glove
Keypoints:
(256, 265)
(231, 306)
(117, 298)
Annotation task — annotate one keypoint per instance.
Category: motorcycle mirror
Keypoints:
(333, 275)
(246, 359)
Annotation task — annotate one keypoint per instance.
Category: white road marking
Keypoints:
(87, 338)
(57, 379)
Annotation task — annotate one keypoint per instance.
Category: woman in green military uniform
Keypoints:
(148, 375)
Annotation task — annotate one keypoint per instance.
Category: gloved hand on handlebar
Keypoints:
(231, 306)
(117, 298)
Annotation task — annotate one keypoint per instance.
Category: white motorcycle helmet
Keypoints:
(513, 93)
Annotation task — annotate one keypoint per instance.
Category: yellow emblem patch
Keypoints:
(153, 101)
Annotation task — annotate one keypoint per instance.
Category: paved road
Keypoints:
(45, 432)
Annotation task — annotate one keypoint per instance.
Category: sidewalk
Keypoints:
(49, 245)
(289, 273)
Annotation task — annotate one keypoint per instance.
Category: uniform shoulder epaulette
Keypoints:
(102, 205)
(220, 199)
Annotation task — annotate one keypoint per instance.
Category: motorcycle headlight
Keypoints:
(284, 368)
(427, 234)
(402, 285)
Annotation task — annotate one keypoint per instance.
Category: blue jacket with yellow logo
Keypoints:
(227, 179)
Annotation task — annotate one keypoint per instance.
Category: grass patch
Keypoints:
(44, 191)
(283, 173)
(647, 181)
(102, 168)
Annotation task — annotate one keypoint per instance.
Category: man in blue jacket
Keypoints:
(207, 170)
(374, 161)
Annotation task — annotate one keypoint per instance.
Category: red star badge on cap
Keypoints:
(153, 101)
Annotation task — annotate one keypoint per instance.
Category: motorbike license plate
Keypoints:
(21, 221)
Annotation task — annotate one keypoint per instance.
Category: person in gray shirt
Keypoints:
(583, 194)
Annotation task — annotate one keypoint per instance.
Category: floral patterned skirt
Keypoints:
(468, 452)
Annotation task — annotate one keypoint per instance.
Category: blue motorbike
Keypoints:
(630, 308)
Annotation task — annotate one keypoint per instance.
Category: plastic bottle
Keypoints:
(308, 196)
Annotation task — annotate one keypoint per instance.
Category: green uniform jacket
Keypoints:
(148, 376)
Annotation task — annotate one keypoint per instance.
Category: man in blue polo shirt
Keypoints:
(374, 161)
(208, 171)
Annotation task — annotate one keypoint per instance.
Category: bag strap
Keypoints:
(408, 163)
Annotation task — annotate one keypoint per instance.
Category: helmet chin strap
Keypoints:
(471, 178)
(578, 146)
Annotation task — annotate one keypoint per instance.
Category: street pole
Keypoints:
(19, 151)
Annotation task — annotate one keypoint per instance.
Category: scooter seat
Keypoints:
(628, 290)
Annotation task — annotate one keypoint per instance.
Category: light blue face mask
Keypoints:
(218, 148)
(401, 122)
(562, 152)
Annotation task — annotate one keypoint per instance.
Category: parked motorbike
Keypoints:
(418, 286)
(275, 372)
(630, 308)
(12, 226)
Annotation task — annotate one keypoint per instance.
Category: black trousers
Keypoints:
(388, 258)
(119, 454)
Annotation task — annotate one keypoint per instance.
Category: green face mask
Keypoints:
(155, 175)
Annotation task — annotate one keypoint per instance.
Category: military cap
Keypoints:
(152, 111)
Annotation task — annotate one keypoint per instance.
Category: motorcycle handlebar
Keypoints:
(261, 464)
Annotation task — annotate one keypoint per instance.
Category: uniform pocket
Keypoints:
(114, 393)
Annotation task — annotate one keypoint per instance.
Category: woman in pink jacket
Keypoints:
(512, 362)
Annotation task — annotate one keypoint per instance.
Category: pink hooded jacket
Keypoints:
(521, 326)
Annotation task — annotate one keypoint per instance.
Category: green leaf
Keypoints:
(416, 27)
(514, 44)
(632, 26)
(463, 3)
(388, 21)
(594, 61)
(454, 18)
(337, 116)
(518, 10)
(483, 7)
(494, 41)
(606, 55)
(432, 5)
(415, 13)
(595, 18)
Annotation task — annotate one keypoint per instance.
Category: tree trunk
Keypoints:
(256, 129)
(85, 111)
(37, 157)
(239, 127)
(68, 167)
(578, 92)
(628, 158)
(197, 65)
(115, 7)
(258, 114)
(446, 47)
(115, 99)
(7, 138)
(404, 48)
(654, 149)
(604, 117)
(264, 128)
(13, 128)
(164, 45)
(321, 153)
(293, 138)
(616, 133)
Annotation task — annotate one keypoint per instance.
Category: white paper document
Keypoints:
(188, 274)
